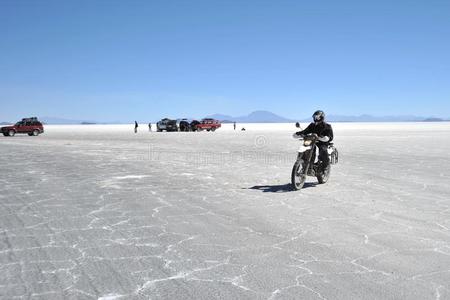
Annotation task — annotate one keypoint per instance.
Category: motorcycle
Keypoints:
(307, 164)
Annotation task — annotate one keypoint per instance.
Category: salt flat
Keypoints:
(98, 212)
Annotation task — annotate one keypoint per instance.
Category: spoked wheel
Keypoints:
(35, 132)
(11, 133)
(298, 176)
(322, 176)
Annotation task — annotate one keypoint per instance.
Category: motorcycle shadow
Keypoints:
(281, 188)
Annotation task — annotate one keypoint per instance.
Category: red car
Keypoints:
(31, 126)
(208, 125)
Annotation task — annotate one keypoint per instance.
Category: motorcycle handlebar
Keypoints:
(303, 136)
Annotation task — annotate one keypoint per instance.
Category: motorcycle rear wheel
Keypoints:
(298, 176)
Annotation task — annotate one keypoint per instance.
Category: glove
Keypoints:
(323, 139)
(297, 135)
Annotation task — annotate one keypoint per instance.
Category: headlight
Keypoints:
(307, 143)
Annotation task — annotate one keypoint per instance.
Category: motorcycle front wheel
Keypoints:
(298, 176)
(323, 176)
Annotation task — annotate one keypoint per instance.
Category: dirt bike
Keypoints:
(306, 163)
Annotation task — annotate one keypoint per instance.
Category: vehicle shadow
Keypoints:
(281, 188)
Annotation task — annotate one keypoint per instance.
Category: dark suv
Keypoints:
(31, 126)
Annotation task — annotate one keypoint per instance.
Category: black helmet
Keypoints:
(318, 116)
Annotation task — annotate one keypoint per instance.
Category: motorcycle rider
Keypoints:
(324, 132)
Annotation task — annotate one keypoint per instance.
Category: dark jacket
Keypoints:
(321, 129)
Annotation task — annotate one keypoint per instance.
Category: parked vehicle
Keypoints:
(30, 126)
(307, 165)
(208, 125)
(194, 124)
(166, 125)
(184, 125)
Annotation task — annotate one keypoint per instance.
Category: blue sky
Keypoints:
(126, 60)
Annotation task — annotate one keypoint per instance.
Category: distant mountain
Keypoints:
(432, 119)
(5, 123)
(221, 117)
(260, 116)
(370, 118)
(60, 121)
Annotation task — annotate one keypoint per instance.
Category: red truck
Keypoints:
(208, 125)
(31, 126)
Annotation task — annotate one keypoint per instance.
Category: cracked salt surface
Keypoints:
(98, 212)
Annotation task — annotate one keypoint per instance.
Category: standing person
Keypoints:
(234, 125)
(135, 126)
(325, 136)
(150, 127)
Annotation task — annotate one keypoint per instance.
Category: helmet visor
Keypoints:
(317, 118)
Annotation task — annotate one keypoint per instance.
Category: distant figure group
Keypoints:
(136, 125)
